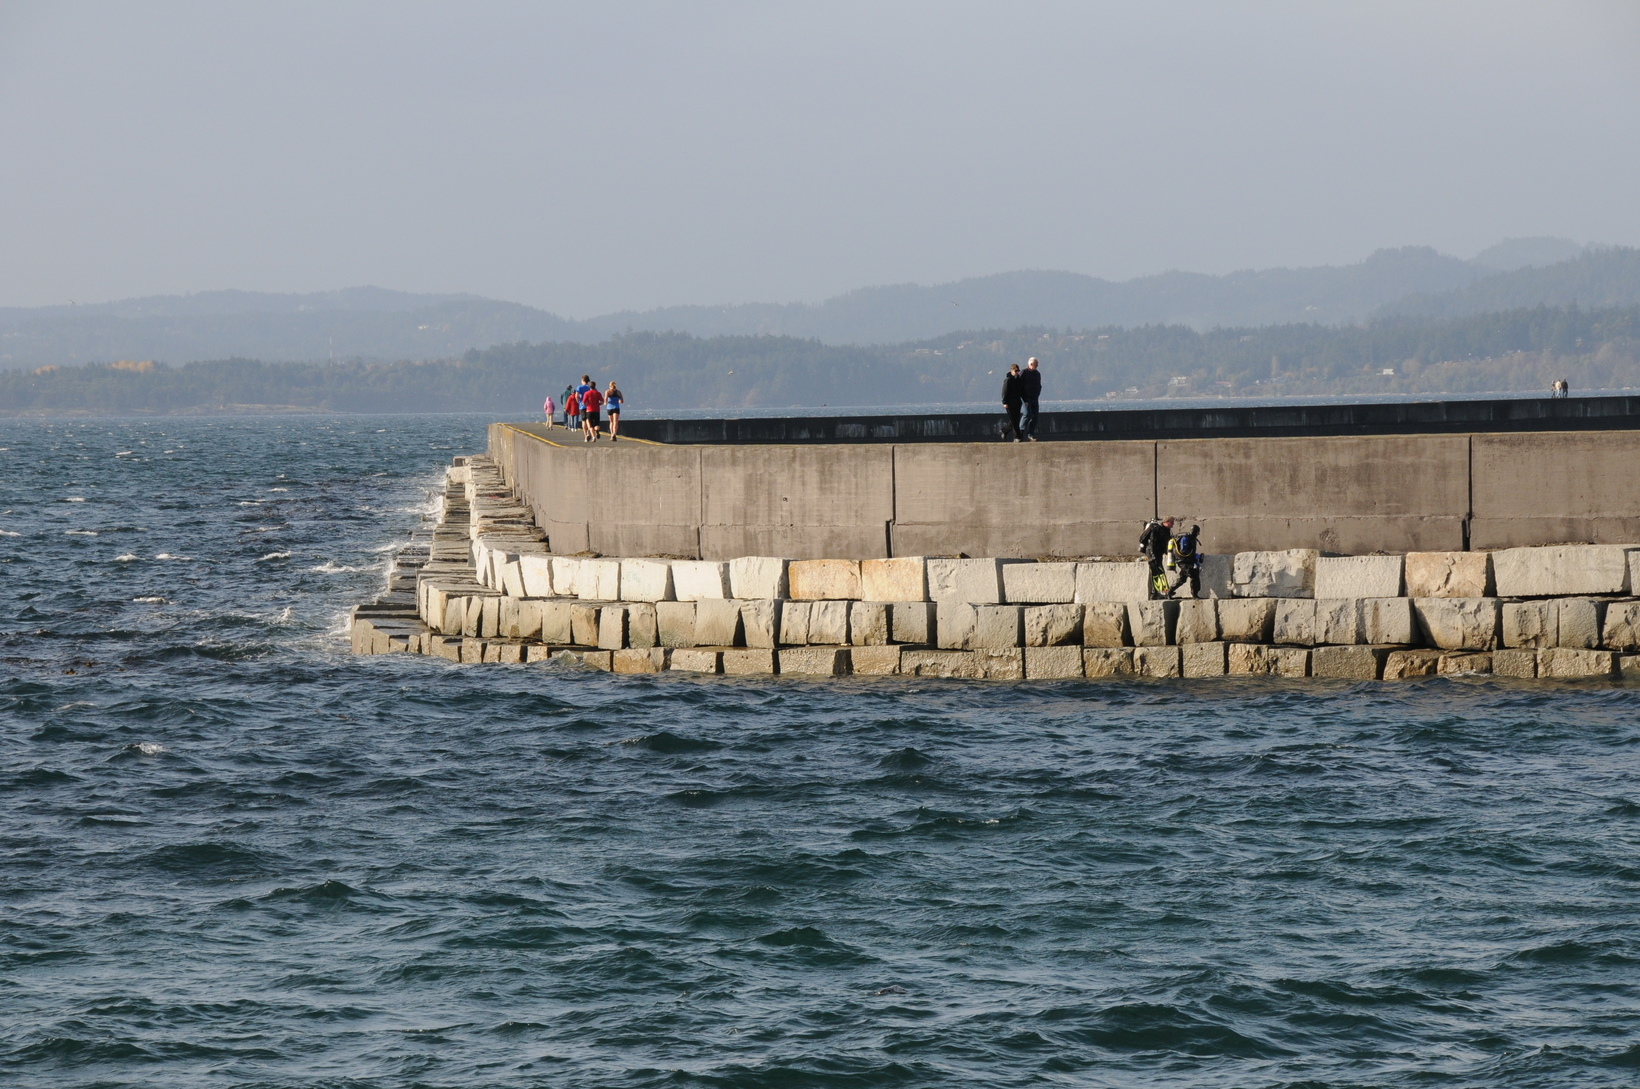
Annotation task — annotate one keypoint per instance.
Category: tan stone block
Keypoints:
(815, 661)
(1621, 630)
(599, 580)
(974, 582)
(955, 625)
(1105, 624)
(647, 580)
(1198, 621)
(717, 623)
(760, 623)
(641, 630)
(1561, 570)
(1338, 622)
(998, 627)
(1401, 665)
(1464, 662)
(868, 623)
(913, 622)
(757, 577)
(1294, 622)
(537, 653)
(875, 661)
(1567, 663)
(603, 660)
(535, 569)
(1001, 664)
(557, 621)
(611, 628)
(698, 580)
(1203, 659)
(1358, 576)
(1052, 626)
(1045, 663)
(564, 571)
(583, 625)
(446, 647)
(1387, 621)
(472, 650)
(823, 580)
(1152, 623)
(490, 618)
(1157, 661)
(1246, 620)
(749, 662)
(1448, 574)
(1289, 661)
(1628, 666)
(1107, 661)
(1039, 583)
(1579, 623)
(904, 578)
(1530, 623)
(1514, 663)
(696, 660)
(1358, 663)
(639, 660)
(1290, 573)
(1123, 581)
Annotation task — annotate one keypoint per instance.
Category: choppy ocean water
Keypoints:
(230, 854)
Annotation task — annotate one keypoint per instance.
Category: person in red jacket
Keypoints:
(592, 402)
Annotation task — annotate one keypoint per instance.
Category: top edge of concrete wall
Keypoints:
(1226, 421)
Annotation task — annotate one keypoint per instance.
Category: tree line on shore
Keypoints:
(1522, 349)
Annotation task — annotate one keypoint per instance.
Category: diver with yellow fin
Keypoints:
(1154, 543)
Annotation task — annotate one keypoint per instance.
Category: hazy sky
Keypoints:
(591, 157)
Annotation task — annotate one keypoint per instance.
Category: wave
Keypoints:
(75, 499)
(168, 556)
(330, 567)
(126, 557)
(9, 533)
(150, 601)
(273, 556)
(79, 533)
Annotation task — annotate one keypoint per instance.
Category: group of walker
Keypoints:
(1181, 554)
(583, 406)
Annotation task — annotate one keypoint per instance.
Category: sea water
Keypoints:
(231, 854)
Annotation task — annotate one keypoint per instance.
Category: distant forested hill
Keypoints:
(1523, 349)
(377, 325)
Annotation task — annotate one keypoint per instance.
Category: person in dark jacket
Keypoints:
(1154, 542)
(1012, 398)
(1186, 553)
(1030, 389)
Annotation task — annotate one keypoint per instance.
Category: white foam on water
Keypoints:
(332, 568)
(252, 502)
(75, 499)
(168, 556)
(274, 556)
(149, 601)
(147, 748)
(278, 489)
(9, 533)
(126, 557)
(79, 533)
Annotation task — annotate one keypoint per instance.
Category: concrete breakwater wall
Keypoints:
(1345, 493)
(482, 586)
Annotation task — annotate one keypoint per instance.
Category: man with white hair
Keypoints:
(1030, 388)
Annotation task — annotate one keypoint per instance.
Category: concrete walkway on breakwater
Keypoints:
(486, 589)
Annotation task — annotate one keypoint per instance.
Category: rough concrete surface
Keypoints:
(1459, 623)
(1358, 576)
(904, 578)
(1289, 573)
(824, 580)
(1448, 574)
(752, 577)
(1053, 625)
(1039, 583)
(1561, 571)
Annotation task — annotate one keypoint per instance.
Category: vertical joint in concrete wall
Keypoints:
(893, 499)
(1155, 480)
(1469, 503)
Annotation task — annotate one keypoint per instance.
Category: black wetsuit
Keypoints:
(1153, 543)
(1187, 554)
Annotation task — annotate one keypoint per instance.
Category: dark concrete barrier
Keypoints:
(1339, 493)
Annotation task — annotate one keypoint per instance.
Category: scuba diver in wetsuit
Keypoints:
(1184, 555)
(1154, 543)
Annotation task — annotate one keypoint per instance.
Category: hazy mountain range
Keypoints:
(377, 324)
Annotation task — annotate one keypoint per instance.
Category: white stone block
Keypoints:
(1448, 574)
(535, 568)
(974, 582)
(1121, 581)
(1053, 625)
(646, 580)
(1275, 574)
(1621, 630)
(1039, 583)
(794, 623)
(612, 628)
(1579, 623)
(557, 622)
(1388, 621)
(828, 623)
(1198, 621)
(823, 580)
(1459, 623)
(868, 624)
(1152, 623)
(954, 625)
(903, 578)
(1218, 575)
(641, 633)
(512, 579)
(717, 623)
(1246, 620)
(1561, 571)
(599, 580)
(1531, 624)
(1104, 624)
(565, 570)
(1294, 622)
(998, 627)
(1338, 621)
(757, 577)
(1358, 576)
(699, 580)
(913, 621)
(760, 622)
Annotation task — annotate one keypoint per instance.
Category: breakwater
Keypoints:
(482, 584)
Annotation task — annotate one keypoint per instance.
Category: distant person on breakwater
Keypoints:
(1011, 402)
(1184, 554)
(1154, 543)
(572, 408)
(1030, 389)
(612, 405)
(591, 402)
(1560, 388)
(549, 408)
